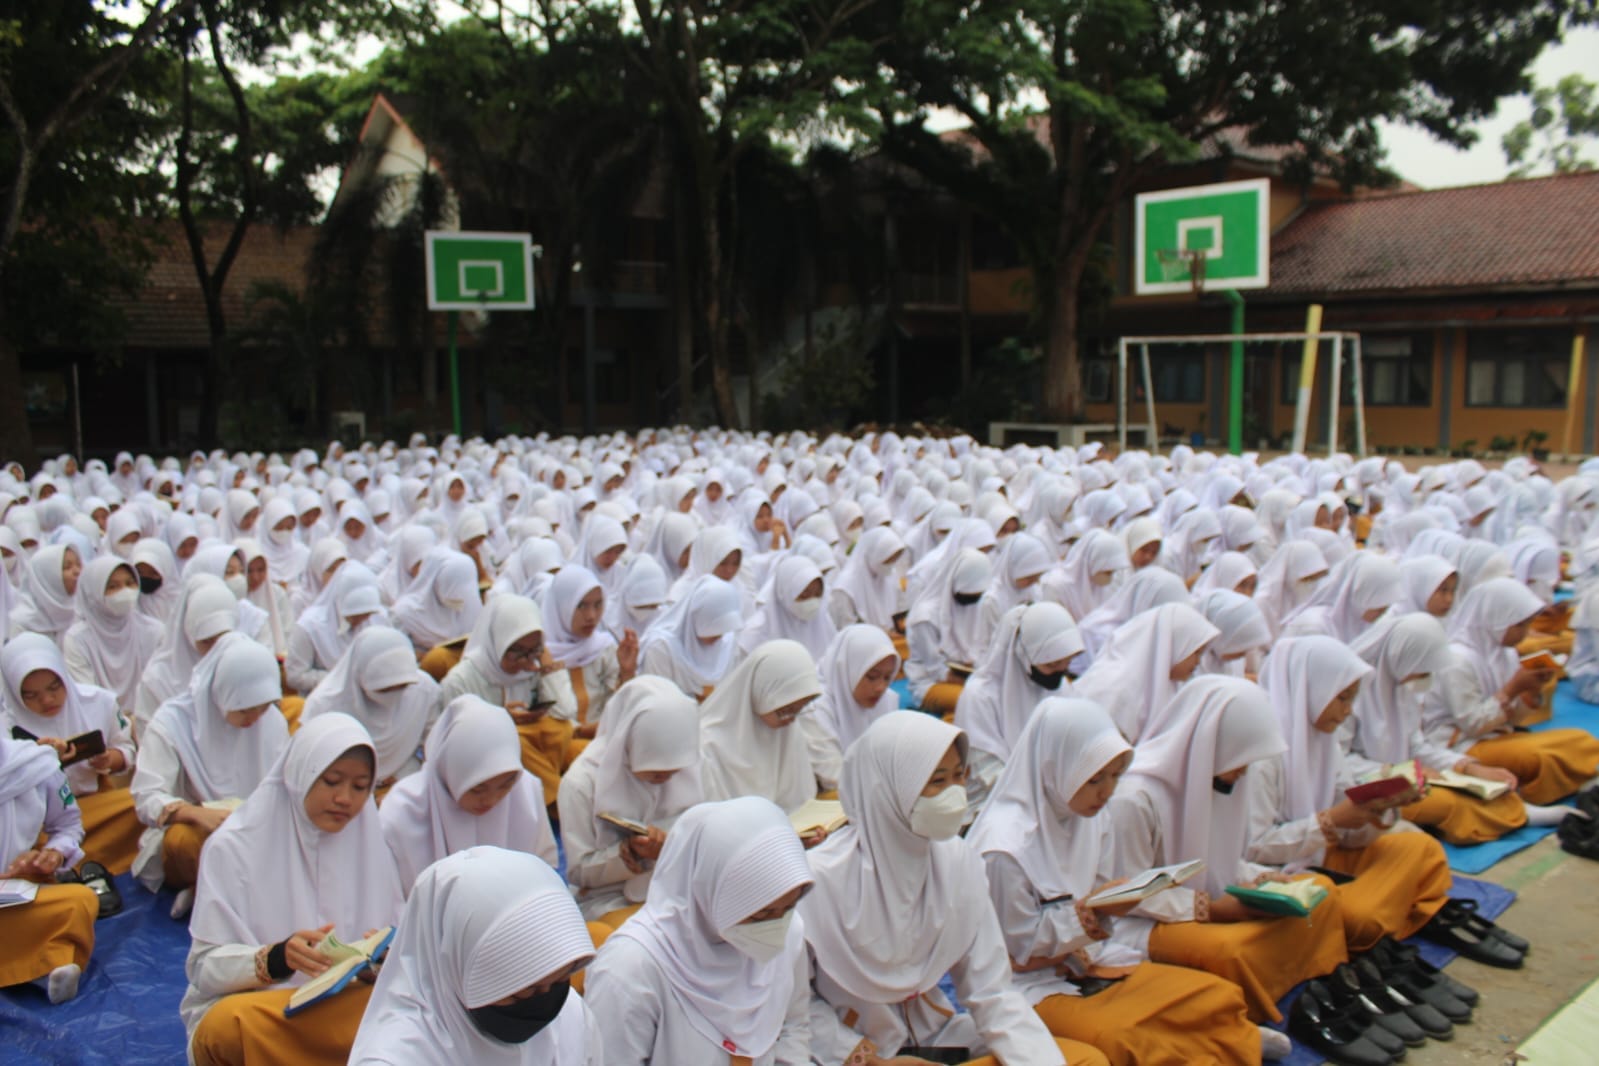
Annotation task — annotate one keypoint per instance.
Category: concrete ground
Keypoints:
(1557, 908)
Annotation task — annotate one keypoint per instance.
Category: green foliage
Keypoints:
(1564, 125)
(1004, 387)
(832, 388)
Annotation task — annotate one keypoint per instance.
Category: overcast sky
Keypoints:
(1423, 161)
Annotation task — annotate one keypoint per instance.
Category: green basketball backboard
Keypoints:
(1229, 223)
(479, 271)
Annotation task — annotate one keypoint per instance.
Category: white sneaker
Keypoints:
(182, 904)
(1274, 1045)
(63, 983)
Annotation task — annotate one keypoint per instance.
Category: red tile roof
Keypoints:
(170, 313)
(1537, 233)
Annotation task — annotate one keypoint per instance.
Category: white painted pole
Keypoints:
(1360, 397)
(1307, 376)
(1121, 395)
(1151, 436)
(1334, 391)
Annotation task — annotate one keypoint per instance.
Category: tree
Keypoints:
(1564, 123)
(1070, 103)
(61, 64)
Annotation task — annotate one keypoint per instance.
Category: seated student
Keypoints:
(747, 746)
(1299, 816)
(867, 588)
(111, 641)
(857, 671)
(1244, 636)
(50, 939)
(1020, 563)
(1148, 658)
(692, 643)
(42, 699)
(441, 603)
(944, 626)
(789, 607)
(595, 663)
(1179, 802)
(1406, 652)
(1484, 693)
(1029, 659)
(309, 833)
(1233, 571)
(505, 664)
(899, 902)
(643, 766)
(212, 744)
(714, 964)
(377, 683)
(1087, 578)
(480, 971)
(205, 610)
(1152, 587)
(471, 790)
(1355, 594)
(325, 630)
(43, 602)
(1044, 848)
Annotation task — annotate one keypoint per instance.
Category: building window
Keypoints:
(1517, 367)
(1398, 369)
(1178, 372)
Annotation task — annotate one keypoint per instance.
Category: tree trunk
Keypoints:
(1063, 383)
(683, 320)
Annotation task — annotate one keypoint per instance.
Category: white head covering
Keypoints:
(480, 925)
(1396, 646)
(960, 630)
(346, 879)
(1022, 556)
(867, 578)
(1028, 815)
(892, 911)
(422, 818)
(1000, 695)
(1228, 571)
(379, 658)
(648, 724)
(45, 606)
(774, 614)
(1149, 588)
(1479, 624)
(117, 646)
(205, 609)
(1243, 629)
(88, 707)
(1361, 582)
(711, 608)
(24, 767)
(1132, 680)
(219, 760)
(1283, 579)
(424, 614)
(288, 559)
(743, 756)
(644, 589)
(854, 651)
(1302, 675)
(154, 553)
(352, 592)
(1217, 724)
(1072, 586)
(722, 863)
(601, 533)
(566, 591)
(1423, 574)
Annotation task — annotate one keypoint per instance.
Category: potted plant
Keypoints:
(1533, 443)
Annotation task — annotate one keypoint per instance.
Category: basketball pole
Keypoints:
(1235, 419)
(455, 375)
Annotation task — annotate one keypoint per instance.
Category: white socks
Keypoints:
(62, 984)
(1537, 815)
(1274, 1045)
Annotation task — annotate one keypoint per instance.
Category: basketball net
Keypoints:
(1184, 264)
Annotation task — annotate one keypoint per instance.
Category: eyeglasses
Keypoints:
(526, 655)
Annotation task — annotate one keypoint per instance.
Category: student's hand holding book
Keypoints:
(1346, 814)
(638, 851)
(1473, 768)
(1117, 910)
(36, 864)
(300, 951)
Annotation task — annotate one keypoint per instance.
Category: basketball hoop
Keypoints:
(1184, 265)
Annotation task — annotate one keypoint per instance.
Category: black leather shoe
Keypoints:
(1428, 1018)
(1466, 911)
(1424, 980)
(1588, 802)
(1580, 836)
(1313, 1022)
(1347, 986)
(1462, 930)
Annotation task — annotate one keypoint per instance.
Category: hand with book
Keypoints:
(1228, 909)
(637, 852)
(1473, 768)
(1347, 814)
(300, 951)
(35, 864)
(1111, 910)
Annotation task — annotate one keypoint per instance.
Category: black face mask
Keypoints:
(524, 1018)
(966, 599)
(149, 585)
(1043, 680)
(1224, 787)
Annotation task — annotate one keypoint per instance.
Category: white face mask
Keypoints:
(805, 610)
(939, 817)
(238, 584)
(122, 602)
(280, 537)
(647, 613)
(1418, 686)
(122, 550)
(761, 941)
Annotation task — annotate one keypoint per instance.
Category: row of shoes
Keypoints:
(1579, 830)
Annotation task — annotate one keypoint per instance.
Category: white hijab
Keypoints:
(1396, 646)
(1132, 680)
(88, 707)
(506, 620)
(442, 602)
(648, 725)
(352, 592)
(1282, 587)
(117, 646)
(566, 591)
(711, 608)
(205, 609)
(219, 760)
(960, 635)
(1478, 626)
(24, 766)
(854, 651)
(1149, 588)
(1071, 584)
(1423, 575)
(723, 862)
(379, 658)
(999, 697)
(1217, 724)
(774, 617)
(639, 600)
(1361, 582)
(867, 578)
(1302, 675)
(480, 925)
(44, 605)
(1028, 815)
(422, 818)
(742, 755)
(892, 911)
(346, 879)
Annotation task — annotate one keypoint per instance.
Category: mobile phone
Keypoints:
(85, 747)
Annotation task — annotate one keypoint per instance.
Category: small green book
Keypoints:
(1291, 899)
